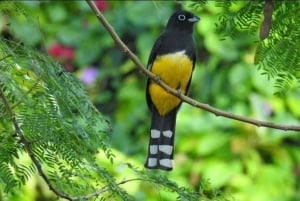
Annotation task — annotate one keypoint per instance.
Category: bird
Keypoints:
(172, 59)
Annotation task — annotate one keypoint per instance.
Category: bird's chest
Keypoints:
(174, 69)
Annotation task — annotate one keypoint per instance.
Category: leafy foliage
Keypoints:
(54, 114)
(277, 55)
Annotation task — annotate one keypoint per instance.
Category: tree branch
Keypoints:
(174, 92)
(28, 92)
(27, 147)
(5, 57)
(267, 22)
(107, 188)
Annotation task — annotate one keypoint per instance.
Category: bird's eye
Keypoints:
(181, 17)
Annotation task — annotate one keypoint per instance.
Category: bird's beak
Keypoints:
(194, 19)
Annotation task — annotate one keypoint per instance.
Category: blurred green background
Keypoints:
(245, 162)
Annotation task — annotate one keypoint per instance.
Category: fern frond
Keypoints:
(63, 128)
(278, 54)
(162, 183)
(244, 20)
(7, 177)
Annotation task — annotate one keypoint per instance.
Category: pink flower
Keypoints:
(55, 50)
(67, 53)
(61, 52)
(101, 5)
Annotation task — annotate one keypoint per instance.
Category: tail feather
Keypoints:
(161, 143)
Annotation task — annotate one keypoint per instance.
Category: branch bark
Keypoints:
(174, 92)
(267, 22)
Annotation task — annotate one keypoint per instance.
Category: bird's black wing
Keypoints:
(153, 54)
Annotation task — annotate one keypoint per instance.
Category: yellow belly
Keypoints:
(175, 70)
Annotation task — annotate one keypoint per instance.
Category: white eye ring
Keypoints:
(181, 17)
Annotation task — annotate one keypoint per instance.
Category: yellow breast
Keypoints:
(175, 70)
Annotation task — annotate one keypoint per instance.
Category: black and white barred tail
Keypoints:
(161, 143)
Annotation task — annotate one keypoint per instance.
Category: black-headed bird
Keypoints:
(172, 59)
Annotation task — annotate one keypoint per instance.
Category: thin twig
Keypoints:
(27, 147)
(174, 92)
(28, 92)
(105, 189)
(5, 57)
(10, 55)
